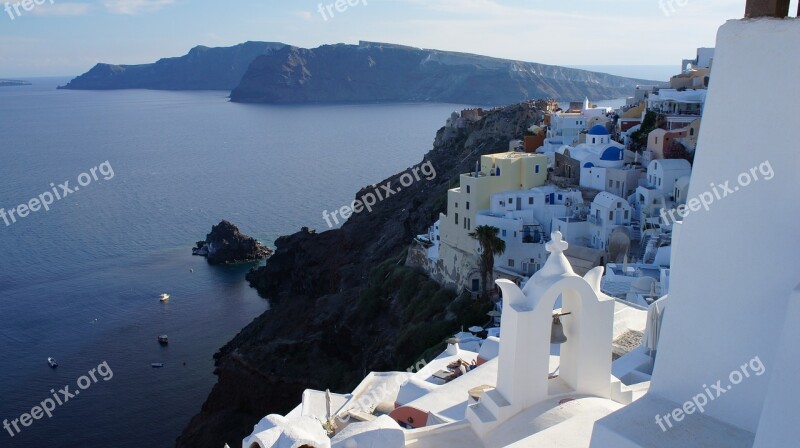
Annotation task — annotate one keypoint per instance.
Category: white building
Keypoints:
(619, 181)
(704, 59)
(664, 174)
(677, 102)
(647, 202)
(524, 218)
(607, 213)
(565, 128)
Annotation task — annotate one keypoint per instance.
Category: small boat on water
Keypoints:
(164, 297)
(52, 362)
(156, 365)
(163, 339)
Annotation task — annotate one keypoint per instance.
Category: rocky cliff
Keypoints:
(374, 72)
(342, 302)
(203, 68)
(272, 72)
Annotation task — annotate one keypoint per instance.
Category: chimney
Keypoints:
(766, 8)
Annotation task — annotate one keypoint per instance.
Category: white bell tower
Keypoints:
(524, 358)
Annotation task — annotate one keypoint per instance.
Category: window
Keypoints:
(510, 200)
(467, 205)
(530, 201)
(467, 189)
(656, 140)
(537, 169)
(691, 131)
(560, 197)
(594, 140)
(626, 214)
(610, 183)
(610, 215)
(504, 232)
(456, 204)
(456, 218)
(511, 262)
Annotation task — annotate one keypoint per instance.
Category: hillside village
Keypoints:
(606, 179)
(571, 231)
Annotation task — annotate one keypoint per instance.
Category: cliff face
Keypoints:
(272, 72)
(371, 72)
(203, 68)
(342, 303)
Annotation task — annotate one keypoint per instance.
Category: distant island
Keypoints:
(203, 68)
(276, 73)
(13, 83)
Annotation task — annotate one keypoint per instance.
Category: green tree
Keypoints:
(491, 245)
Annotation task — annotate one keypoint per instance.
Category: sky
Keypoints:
(67, 37)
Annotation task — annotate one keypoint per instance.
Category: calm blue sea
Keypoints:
(81, 281)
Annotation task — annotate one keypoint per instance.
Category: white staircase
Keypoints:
(492, 409)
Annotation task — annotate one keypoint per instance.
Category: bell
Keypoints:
(557, 335)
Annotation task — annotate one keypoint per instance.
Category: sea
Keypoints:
(131, 180)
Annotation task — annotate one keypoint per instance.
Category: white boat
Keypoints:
(164, 297)
(52, 362)
(156, 365)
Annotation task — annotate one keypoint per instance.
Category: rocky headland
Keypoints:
(203, 68)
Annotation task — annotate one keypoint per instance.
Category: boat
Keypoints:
(52, 362)
(156, 365)
(163, 339)
(164, 297)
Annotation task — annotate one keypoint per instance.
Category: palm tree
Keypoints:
(490, 245)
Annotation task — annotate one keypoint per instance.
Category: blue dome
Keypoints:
(598, 129)
(612, 153)
(588, 165)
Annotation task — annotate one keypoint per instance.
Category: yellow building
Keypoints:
(498, 172)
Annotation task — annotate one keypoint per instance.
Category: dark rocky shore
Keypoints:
(227, 245)
(343, 303)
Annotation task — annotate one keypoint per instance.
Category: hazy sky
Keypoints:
(67, 37)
